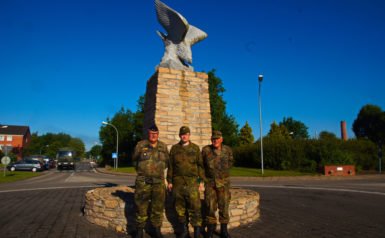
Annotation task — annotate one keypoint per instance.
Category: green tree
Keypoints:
(297, 129)
(370, 123)
(96, 151)
(246, 135)
(278, 132)
(220, 120)
(48, 144)
(138, 120)
(123, 120)
(77, 145)
(326, 135)
(34, 145)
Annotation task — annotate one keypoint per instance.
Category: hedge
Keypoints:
(307, 155)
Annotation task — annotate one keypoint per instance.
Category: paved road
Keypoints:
(51, 206)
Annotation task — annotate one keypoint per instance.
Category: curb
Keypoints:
(275, 178)
(104, 171)
(307, 177)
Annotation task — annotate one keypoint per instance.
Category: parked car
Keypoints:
(26, 165)
(51, 163)
(48, 162)
(41, 158)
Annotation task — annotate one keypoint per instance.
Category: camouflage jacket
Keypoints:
(185, 162)
(217, 164)
(150, 161)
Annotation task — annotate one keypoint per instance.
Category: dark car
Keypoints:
(51, 163)
(41, 158)
(26, 165)
(48, 162)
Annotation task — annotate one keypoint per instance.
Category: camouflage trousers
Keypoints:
(153, 194)
(217, 198)
(186, 195)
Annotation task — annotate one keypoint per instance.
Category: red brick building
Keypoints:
(18, 137)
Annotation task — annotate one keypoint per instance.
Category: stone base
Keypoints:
(176, 98)
(113, 208)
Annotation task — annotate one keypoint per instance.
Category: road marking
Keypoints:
(69, 177)
(49, 188)
(314, 188)
(250, 186)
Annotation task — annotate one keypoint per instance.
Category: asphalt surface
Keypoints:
(51, 206)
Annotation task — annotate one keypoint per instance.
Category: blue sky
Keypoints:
(65, 66)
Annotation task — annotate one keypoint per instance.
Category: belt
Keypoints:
(149, 180)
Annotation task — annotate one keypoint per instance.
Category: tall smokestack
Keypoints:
(344, 133)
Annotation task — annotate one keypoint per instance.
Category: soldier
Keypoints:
(217, 160)
(184, 176)
(151, 158)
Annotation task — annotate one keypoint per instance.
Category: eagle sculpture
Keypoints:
(179, 39)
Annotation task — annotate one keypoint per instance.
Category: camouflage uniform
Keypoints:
(185, 172)
(149, 185)
(217, 164)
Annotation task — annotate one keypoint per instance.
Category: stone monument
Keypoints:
(176, 95)
(179, 39)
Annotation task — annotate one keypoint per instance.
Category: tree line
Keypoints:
(286, 146)
(49, 144)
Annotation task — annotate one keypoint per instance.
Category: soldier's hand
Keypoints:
(201, 187)
(169, 187)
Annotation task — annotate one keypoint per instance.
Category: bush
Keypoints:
(307, 155)
(363, 152)
(247, 156)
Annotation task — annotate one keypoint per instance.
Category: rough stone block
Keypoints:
(111, 203)
(163, 70)
(235, 218)
(236, 212)
(111, 214)
(116, 219)
(180, 97)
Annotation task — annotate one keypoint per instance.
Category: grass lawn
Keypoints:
(251, 172)
(129, 170)
(238, 171)
(16, 175)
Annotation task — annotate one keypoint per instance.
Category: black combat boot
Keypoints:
(210, 230)
(184, 233)
(197, 231)
(224, 232)
(203, 231)
(139, 233)
(157, 233)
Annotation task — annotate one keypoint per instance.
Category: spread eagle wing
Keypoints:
(174, 23)
(194, 35)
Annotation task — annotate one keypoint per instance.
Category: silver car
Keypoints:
(26, 165)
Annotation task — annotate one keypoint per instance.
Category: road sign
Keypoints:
(7, 148)
(114, 155)
(5, 160)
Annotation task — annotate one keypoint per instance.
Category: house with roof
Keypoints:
(15, 137)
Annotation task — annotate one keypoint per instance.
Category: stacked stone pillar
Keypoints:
(176, 98)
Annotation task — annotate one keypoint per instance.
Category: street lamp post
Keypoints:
(117, 144)
(379, 156)
(260, 79)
